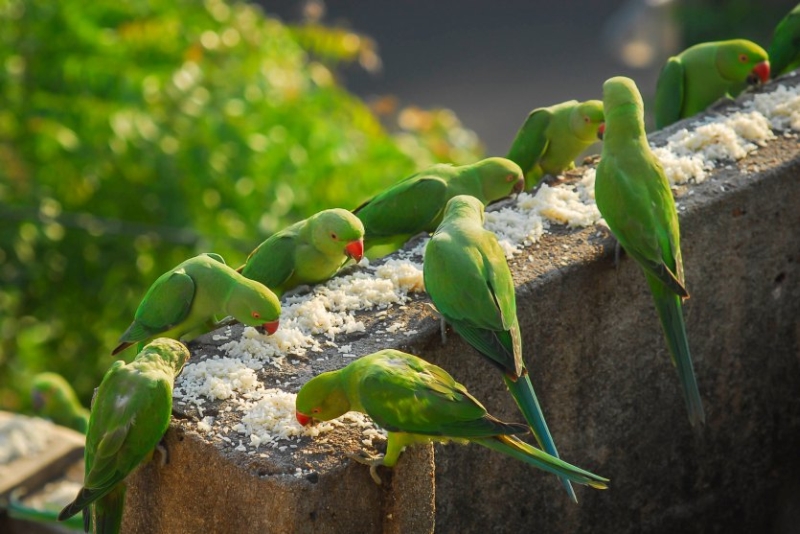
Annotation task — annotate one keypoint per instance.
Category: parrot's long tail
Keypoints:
(524, 395)
(670, 312)
(108, 511)
(516, 448)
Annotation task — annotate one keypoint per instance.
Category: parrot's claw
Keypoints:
(443, 323)
(162, 449)
(372, 461)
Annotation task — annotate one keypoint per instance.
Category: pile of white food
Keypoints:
(311, 321)
(22, 436)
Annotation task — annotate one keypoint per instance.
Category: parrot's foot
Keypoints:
(164, 452)
(372, 461)
(442, 322)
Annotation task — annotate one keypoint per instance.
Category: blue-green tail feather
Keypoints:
(670, 313)
(524, 395)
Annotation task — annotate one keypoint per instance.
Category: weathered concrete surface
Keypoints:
(595, 349)
(204, 489)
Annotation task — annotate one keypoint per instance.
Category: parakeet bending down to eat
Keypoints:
(307, 252)
(53, 398)
(182, 302)
(551, 138)
(416, 204)
(130, 413)
(704, 73)
(635, 199)
(418, 402)
(469, 281)
(784, 51)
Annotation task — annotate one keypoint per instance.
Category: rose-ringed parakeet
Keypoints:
(551, 138)
(307, 252)
(634, 197)
(704, 73)
(470, 283)
(53, 398)
(416, 203)
(131, 411)
(182, 302)
(784, 51)
(418, 402)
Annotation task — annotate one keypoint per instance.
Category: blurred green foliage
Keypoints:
(135, 134)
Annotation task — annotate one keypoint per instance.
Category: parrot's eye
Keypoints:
(743, 58)
(333, 236)
(587, 120)
(255, 315)
(315, 410)
(510, 178)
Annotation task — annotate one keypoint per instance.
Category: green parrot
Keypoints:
(704, 73)
(131, 411)
(551, 138)
(418, 402)
(416, 203)
(468, 279)
(784, 51)
(307, 252)
(53, 398)
(183, 302)
(634, 197)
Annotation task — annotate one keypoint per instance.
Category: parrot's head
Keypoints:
(622, 102)
(45, 386)
(499, 178)
(586, 120)
(253, 304)
(166, 349)
(321, 399)
(740, 60)
(336, 232)
(464, 206)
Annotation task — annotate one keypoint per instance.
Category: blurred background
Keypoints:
(136, 134)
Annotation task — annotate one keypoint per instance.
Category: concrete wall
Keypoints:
(613, 401)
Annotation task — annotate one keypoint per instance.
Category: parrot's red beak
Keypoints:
(601, 130)
(302, 418)
(271, 327)
(519, 185)
(355, 249)
(759, 73)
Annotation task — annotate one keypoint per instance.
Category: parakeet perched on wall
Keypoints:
(416, 204)
(634, 197)
(470, 283)
(704, 73)
(308, 252)
(552, 137)
(418, 402)
(182, 302)
(130, 413)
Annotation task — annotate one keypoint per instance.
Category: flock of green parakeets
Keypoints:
(465, 275)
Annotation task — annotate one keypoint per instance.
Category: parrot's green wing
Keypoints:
(648, 235)
(485, 314)
(273, 262)
(531, 140)
(669, 93)
(122, 434)
(406, 209)
(784, 51)
(165, 305)
(419, 398)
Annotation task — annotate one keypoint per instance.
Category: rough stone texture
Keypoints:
(602, 372)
